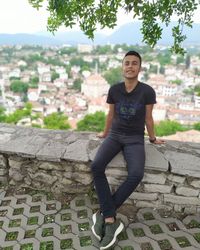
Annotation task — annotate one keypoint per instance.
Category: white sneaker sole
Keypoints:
(118, 231)
(94, 219)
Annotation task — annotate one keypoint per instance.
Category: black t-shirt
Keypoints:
(129, 114)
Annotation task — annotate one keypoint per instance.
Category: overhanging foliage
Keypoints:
(89, 14)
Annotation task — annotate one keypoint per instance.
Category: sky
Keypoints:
(18, 16)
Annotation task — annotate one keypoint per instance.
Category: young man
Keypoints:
(130, 109)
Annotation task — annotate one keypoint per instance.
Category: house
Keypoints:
(22, 63)
(187, 117)
(97, 104)
(45, 77)
(159, 112)
(94, 86)
(59, 83)
(33, 94)
(43, 68)
(197, 101)
(50, 109)
(84, 48)
(15, 73)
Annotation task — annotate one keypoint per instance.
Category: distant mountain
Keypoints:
(128, 33)
(21, 39)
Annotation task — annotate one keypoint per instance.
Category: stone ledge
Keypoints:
(59, 161)
(57, 145)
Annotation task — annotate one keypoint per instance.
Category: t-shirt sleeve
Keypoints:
(109, 97)
(150, 96)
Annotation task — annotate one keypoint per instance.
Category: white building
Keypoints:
(22, 63)
(169, 90)
(59, 83)
(33, 94)
(42, 68)
(85, 48)
(45, 77)
(197, 101)
(95, 86)
(159, 114)
(15, 73)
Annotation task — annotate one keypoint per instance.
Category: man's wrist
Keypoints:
(152, 140)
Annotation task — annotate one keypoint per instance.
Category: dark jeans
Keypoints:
(134, 155)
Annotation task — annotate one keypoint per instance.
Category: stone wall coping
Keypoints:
(180, 158)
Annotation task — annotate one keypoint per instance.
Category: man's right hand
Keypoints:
(102, 135)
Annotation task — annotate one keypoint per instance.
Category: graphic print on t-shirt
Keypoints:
(127, 110)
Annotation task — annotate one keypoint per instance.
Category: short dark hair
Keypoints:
(134, 53)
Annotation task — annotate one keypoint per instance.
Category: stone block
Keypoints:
(44, 178)
(15, 175)
(154, 178)
(51, 151)
(82, 178)
(49, 166)
(77, 151)
(3, 179)
(146, 204)
(181, 200)
(144, 196)
(3, 171)
(81, 167)
(195, 183)
(3, 162)
(187, 191)
(183, 163)
(157, 188)
(15, 164)
(8, 129)
(21, 145)
(65, 181)
(176, 178)
(190, 210)
(179, 208)
(4, 138)
(155, 159)
(116, 172)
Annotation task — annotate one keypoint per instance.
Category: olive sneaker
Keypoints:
(98, 223)
(111, 232)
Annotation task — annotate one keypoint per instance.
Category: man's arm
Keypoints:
(109, 119)
(150, 125)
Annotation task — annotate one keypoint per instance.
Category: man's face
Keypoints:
(131, 67)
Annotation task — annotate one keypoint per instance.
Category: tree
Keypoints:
(113, 75)
(19, 114)
(2, 114)
(56, 120)
(34, 80)
(77, 84)
(197, 126)
(90, 14)
(168, 128)
(54, 76)
(177, 81)
(18, 86)
(164, 58)
(92, 122)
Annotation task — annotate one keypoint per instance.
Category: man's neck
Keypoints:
(130, 84)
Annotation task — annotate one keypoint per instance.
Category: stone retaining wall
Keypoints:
(59, 161)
